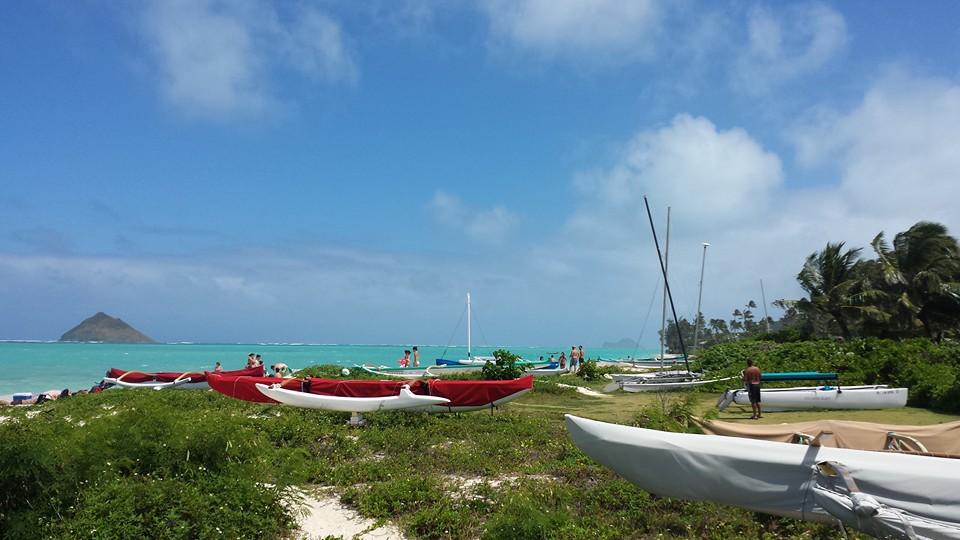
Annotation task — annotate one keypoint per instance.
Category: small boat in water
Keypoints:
(820, 397)
(883, 494)
(196, 380)
(364, 396)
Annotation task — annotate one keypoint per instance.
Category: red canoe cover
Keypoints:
(170, 376)
(475, 393)
(460, 393)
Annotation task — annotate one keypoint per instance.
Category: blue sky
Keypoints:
(344, 172)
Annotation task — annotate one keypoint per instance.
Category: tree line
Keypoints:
(909, 288)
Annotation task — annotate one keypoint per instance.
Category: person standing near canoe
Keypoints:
(405, 361)
(751, 378)
(574, 358)
(416, 357)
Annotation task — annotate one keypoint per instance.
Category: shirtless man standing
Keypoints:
(751, 377)
(416, 357)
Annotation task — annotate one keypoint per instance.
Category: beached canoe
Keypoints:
(667, 383)
(420, 372)
(461, 396)
(196, 380)
(890, 492)
(820, 397)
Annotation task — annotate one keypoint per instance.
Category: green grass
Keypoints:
(185, 464)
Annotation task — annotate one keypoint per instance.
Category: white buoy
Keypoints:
(345, 372)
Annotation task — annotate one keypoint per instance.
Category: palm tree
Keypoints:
(921, 273)
(832, 279)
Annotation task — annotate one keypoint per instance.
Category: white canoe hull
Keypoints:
(421, 372)
(765, 476)
(185, 384)
(650, 385)
(544, 372)
(823, 397)
(627, 377)
(404, 400)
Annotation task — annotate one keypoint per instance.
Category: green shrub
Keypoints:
(503, 367)
(588, 371)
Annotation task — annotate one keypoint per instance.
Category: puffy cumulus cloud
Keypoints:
(788, 44)
(216, 58)
(488, 225)
(896, 150)
(612, 29)
(712, 173)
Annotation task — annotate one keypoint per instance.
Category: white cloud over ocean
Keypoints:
(218, 58)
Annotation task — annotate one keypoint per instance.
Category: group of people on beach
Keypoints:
(576, 358)
(410, 358)
(30, 399)
(254, 359)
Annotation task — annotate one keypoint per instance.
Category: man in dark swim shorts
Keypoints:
(751, 377)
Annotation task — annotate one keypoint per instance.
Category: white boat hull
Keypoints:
(822, 397)
(650, 385)
(183, 384)
(764, 476)
(404, 400)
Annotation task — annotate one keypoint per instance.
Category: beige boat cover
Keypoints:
(937, 438)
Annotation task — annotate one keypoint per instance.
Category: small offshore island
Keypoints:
(106, 329)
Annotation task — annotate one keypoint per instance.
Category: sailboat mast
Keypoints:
(696, 317)
(469, 337)
(666, 283)
(763, 297)
(663, 316)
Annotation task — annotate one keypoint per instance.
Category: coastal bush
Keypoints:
(504, 366)
(588, 371)
(669, 414)
(930, 370)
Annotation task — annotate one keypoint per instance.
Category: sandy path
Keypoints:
(325, 516)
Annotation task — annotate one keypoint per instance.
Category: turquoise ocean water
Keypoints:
(37, 367)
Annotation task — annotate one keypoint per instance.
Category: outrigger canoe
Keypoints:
(820, 397)
(884, 494)
(362, 396)
(186, 379)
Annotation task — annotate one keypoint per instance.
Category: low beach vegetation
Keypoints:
(187, 464)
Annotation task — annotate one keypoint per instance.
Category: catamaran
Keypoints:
(820, 397)
(880, 493)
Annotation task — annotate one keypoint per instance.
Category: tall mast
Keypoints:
(663, 316)
(469, 348)
(696, 317)
(666, 283)
(763, 297)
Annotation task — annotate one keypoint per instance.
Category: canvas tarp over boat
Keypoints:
(937, 438)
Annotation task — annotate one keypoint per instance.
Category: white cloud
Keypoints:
(614, 29)
(711, 173)
(896, 151)
(490, 225)
(217, 58)
(790, 44)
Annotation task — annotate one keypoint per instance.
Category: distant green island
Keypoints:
(103, 327)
